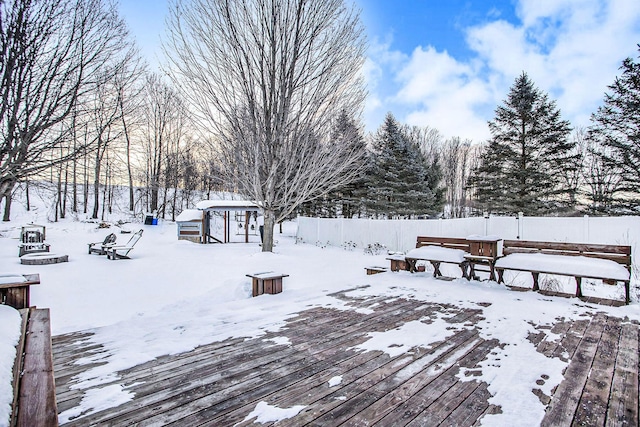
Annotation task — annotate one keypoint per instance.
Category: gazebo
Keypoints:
(226, 207)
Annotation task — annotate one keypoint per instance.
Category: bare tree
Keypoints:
(130, 88)
(456, 155)
(163, 127)
(104, 116)
(51, 52)
(267, 78)
(602, 179)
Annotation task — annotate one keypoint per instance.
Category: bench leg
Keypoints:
(536, 286)
(436, 268)
(492, 271)
(627, 297)
(411, 265)
(500, 275)
(578, 286)
(466, 268)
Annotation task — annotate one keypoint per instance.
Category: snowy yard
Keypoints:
(173, 296)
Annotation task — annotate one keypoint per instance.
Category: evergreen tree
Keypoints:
(398, 176)
(349, 198)
(616, 125)
(523, 166)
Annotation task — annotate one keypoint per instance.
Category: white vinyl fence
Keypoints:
(400, 235)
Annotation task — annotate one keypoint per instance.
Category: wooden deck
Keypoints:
(221, 383)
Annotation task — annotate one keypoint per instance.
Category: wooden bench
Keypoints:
(266, 283)
(438, 250)
(15, 289)
(375, 270)
(610, 263)
(34, 396)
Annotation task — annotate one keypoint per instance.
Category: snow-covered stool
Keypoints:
(398, 262)
(43, 258)
(609, 263)
(267, 282)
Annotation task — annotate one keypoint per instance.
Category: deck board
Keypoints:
(222, 382)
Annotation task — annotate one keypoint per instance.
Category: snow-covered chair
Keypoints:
(32, 240)
(120, 252)
(108, 242)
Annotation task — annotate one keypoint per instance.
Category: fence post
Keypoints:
(585, 229)
(486, 223)
(520, 220)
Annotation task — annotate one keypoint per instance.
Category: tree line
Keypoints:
(534, 162)
(263, 98)
(82, 113)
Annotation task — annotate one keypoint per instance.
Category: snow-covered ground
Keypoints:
(175, 295)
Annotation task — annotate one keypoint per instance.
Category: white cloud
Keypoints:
(444, 94)
(571, 49)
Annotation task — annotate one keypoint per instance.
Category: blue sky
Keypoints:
(447, 64)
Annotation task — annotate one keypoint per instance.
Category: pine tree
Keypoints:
(616, 125)
(398, 177)
(349, 198)
(523, 166)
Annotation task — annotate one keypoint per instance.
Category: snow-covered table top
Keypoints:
(437, 253)
(565, 265)
(12, 278)
(267, 275)
(478, 238)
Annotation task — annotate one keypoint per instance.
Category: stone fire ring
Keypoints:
(43, 258)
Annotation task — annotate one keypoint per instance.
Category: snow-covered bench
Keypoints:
(438, 250)
(610, 263)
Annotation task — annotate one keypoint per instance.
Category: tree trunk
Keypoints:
(7, 207)
(27, 195)
(96, 188)
(269, 223)
(74, 185)
(58, 206)
(85, 188)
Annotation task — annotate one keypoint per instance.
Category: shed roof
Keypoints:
(189, 215)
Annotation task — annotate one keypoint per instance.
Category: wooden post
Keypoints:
(246, 226)
(224, 227)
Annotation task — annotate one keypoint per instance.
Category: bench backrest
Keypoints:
(31, 236)
(134, 239)
(445, 242)
(111, 238)
(618, 253)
